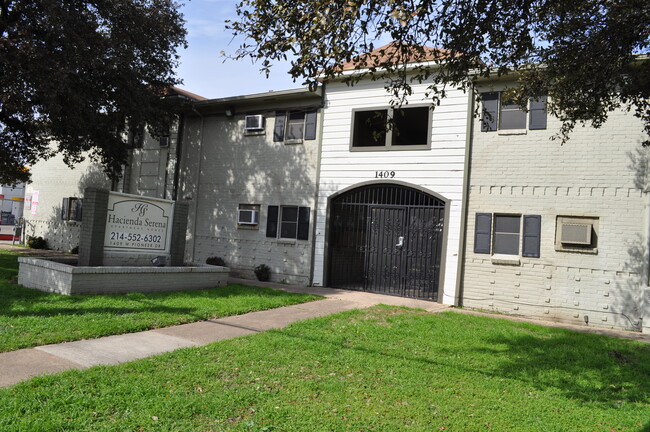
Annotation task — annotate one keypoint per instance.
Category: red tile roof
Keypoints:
(396, 52)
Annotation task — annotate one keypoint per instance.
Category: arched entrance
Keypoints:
(386, 238)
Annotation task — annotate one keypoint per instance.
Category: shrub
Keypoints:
(263, 272)
(74, 250)
(216, 261)
(36, 242)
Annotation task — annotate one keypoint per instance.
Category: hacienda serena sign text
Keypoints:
(135, 223)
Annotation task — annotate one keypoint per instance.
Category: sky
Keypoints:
(205, 71)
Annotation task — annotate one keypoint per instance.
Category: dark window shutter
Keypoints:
(310, 125)
(77, 211)
(490, 114)
(537, 114)
(532, 233)
(483, 233)
(272, 222)
(278, 131)
(65, 209)
(303, 223)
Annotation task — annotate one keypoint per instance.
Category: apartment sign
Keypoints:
(138, 224)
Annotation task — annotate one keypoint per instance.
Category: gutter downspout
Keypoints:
(179, 154)
(312, 262)
(460, 272)
(644, 304)
(197, 183)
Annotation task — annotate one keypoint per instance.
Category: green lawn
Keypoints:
(379, 369)
(30, 318)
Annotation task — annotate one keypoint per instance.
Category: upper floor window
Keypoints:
(391, 128)
(501, 111)
(293, 127)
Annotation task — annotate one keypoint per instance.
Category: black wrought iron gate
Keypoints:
(386, 238)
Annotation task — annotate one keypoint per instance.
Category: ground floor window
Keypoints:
(507, 234)
(288, 222)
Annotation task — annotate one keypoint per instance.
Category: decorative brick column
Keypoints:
(179, 227)
(93, 227)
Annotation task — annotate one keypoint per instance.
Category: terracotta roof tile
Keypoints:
(395, 51)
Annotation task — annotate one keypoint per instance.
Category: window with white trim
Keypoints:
(288, 222)
(391, 128)
(294, 126)
(502, 111)
(507, 234)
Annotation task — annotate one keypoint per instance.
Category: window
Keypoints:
(385, 129)
(136, 137)
(576, 234)
(71, 209)
(501, 111)
(293, 127)
(248, 216)
(509, 234)
(288, 222)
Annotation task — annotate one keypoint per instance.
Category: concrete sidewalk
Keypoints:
(17, 366)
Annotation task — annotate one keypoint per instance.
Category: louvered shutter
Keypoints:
(537, 114)
(532, 234)
(490, 116)
(303, 223)
(483, 233)
(272, 222)
(65, 209)
(278, 131)
(310, 125)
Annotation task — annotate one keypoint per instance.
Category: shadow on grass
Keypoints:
(583, 367)
(18, 301)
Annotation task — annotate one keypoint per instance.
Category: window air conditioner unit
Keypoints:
(247, 217)
(254, 122)
(576, 233)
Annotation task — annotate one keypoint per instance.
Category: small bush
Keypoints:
(36, 242)
(74, 250)
(216, 261)
(263, 272)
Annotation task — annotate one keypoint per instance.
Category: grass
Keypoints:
(30, 318)
(379, 369)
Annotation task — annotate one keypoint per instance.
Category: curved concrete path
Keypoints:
(17, 366)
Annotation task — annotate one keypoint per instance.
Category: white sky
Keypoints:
(202, 67)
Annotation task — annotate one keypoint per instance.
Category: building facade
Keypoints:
(556, 231)
(390, 197)
(249, 171)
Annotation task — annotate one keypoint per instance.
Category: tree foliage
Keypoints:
(583, 53)
(76, 72)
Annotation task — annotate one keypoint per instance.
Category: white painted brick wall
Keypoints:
(239, 169)
(598, 172)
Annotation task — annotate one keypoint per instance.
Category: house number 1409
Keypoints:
(384, 174)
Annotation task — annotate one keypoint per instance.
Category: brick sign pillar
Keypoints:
(93, 227)
(179, 226)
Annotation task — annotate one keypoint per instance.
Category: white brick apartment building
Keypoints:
(389, 202)
(558, 232)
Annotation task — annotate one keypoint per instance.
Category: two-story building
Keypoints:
(556, 231)
(390, 189)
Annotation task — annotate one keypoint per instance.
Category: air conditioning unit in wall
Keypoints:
(247, 217)
(254, 122)
(576, 233)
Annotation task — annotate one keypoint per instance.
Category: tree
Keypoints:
(582, 53)
(77, 73)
